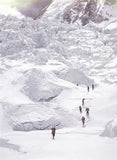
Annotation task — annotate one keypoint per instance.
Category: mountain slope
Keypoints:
(46, 67)
(42, 59)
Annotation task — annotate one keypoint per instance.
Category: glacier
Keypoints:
(46, 66)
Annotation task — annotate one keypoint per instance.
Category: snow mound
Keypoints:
(111, 129)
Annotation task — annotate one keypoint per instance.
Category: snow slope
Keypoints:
(58, 57)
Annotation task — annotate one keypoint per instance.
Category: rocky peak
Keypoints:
(85, 11)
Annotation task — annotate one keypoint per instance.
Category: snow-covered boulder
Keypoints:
(38, 86)
(39, 116)
(111, 129)
(43, 86)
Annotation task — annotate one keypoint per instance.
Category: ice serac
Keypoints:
(111, 128)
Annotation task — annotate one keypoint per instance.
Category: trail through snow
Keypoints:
(70, 143)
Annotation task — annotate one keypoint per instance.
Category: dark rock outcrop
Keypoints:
(84, 11)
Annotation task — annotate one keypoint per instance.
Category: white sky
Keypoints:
(17, 2)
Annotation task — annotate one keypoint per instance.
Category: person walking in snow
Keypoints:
(83, 101)
(80, 109)
(87, 112)
(53, 132)
(83, 120)
(92, 86)
(88, 88)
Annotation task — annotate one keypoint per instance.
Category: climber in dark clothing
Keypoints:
(88, 88)
(83, 101)
(92, 86)
(80, 109)
(83, 120)
(87, 111)
(53, 132)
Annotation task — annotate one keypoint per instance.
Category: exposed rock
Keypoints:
(84, 11)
